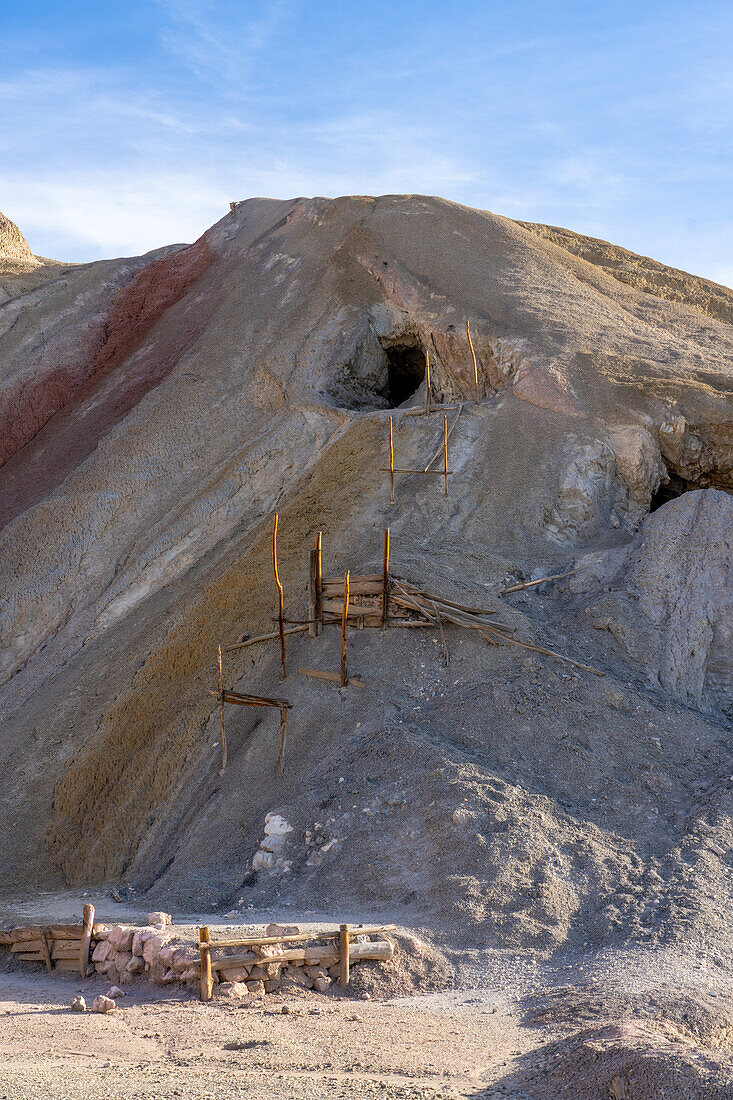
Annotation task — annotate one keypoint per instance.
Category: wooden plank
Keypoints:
(379, 950)
(299, 937)
(264, 638)
(68, 931)
(6, 937)
(86, 939)
(65, 952)
(427, 382)
(313, 593)
(62, 944)
(240, 699)
(406, 470)
(281, 751)
(222, 731)
(207, 984)
(29, 932)
(331, 677)
(355, 611)
(28, 945)
(32, 956)
(72, 965)
(319, 581)
(338, 582)
(445, 453)
(473, 356)
(385, 576)
(358, 586)
(344, 630)
(47, 949)
(280, 599)
(391, 463)
(344, 955)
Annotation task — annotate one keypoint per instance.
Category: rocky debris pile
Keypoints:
(269, 856)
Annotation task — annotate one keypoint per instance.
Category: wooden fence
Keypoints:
(341, 951)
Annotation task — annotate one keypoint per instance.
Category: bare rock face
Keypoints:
(13, 245)
(669, 598)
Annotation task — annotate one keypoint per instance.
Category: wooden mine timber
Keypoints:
(475, 367)
(223, 695)
(280, 598)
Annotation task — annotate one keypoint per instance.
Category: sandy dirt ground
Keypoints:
(656, 1023)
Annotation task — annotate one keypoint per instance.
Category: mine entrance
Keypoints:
(670, 490)
(405, 372)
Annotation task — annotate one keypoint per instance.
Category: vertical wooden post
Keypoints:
(343, 954)
(385, 578)
(475, 368)
(207, 985)
(47, 949)
(391, 464)
(319, 583)
(281, 628)
(445, 452)
(222, 731)
(427, 381)
(281, 753)
(344, 620)
(86, 939)
(312, 598)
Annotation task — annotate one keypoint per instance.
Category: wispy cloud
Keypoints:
(220, 47)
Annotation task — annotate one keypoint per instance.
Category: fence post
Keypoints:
(344, 954)
(86, 939)
(207, 984)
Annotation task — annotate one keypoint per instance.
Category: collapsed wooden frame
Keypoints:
(242, 700)
(343, 952)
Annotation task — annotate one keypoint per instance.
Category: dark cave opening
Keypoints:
(405, 372)
(669, 490)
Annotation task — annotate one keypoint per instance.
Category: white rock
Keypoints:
(102, 952)
(78, 1004)
(275, 825)
(234, 973)
(103, 1004)
(263, 861)
(159, 920)
(121, 938)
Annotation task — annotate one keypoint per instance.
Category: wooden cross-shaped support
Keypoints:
(242, 700)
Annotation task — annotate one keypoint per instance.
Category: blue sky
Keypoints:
(127, 125)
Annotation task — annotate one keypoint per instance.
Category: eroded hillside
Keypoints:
(157, 412)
